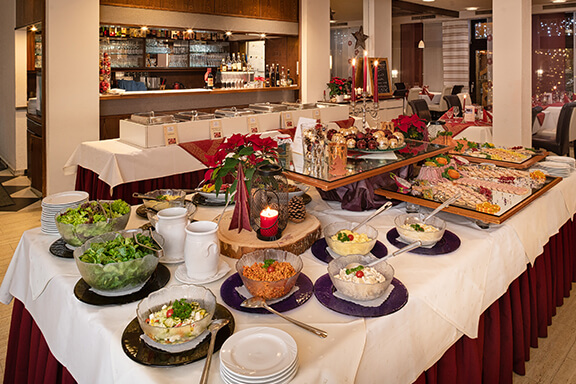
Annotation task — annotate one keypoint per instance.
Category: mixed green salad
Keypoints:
(90, 219)
(119, 263)
(94, 212)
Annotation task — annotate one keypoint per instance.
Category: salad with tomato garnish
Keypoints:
(177, 314)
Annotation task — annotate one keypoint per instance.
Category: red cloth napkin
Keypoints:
(574, 97)
(449, 114)
(566, 99)
(199, 149)
(487, 116)
(426, 92)
(541, 117)
(345, 123)
(288, 131)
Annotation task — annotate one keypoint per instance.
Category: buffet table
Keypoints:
(475, 311)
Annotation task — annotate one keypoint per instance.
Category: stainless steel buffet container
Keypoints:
(232, 112)
(268, 107)
(194, 116)
(299, 105)
(150, 118)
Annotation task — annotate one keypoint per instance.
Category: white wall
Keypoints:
(433, 65)
(72, 99)
(315, 40)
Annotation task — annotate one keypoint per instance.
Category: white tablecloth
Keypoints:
(551, 115)
(435, 100)
(479, 134)
(447, 294)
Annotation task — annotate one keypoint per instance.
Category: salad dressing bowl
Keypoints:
(108, 277)
(165, 297)
(159, 199)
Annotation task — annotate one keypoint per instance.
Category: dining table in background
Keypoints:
(472, 313)
(434, 100)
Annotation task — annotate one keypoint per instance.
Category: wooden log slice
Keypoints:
(296, 238)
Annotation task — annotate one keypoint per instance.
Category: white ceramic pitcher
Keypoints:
(202, 250)
(172, 226)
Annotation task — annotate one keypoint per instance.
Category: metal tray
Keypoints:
(194, 115)
(149, 118)
(300, 106)
(267, 107)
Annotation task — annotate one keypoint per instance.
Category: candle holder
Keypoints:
(366, 106)
(269, 202)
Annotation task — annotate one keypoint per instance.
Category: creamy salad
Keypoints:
(178, 314)
(360, 275)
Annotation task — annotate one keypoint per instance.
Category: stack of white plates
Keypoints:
(562, 159)
(53, 204)
(259, 355)
(553, 168)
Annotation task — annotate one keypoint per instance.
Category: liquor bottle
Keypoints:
(283, 78)
(244, 63)
(233, 62)
(267, 75)
(272, 76)
(277, 75)
(223, 66)
(210, 79)
(289, 78)
(228, 64)
(239, 63)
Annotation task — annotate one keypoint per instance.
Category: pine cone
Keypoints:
(296, 209)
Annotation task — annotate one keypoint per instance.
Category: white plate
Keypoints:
(176, 260)
(303, 189)
(212, 196)
(284, 377)
(64, 198)
(181, 274)
(258, 352)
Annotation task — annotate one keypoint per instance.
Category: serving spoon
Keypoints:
(379, 211)
(259, 302)
(407, 248)
(214, 327)
(442, 206)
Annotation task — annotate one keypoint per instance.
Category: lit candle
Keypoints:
(353, 79)
(376, 81)
(365, 61)
(464, 105)
(269, 222)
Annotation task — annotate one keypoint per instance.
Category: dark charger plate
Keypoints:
(159, 279)
(136, 349)
(321, 253)
(448, 243)
(59, 249)
(324, 292)
(234, 299)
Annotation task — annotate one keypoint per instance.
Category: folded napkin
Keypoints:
(426, 92)
(541, 117)
(449, 114)
(566, 98)
(288, 131)
(202, 148)
(345, 123)
(487, 116)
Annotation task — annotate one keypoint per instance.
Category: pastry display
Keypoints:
(371, 140)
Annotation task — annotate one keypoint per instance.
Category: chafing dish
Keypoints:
(299, 105)
(150, 118)
(232, 112)
(268, 107)
(194, 115)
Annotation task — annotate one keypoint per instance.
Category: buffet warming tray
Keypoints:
(194, 116)
(150, 118)
(232, 112)
(268, 107)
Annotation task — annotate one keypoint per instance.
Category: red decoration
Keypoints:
(241, 214)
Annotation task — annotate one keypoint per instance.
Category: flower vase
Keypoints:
(339, 98)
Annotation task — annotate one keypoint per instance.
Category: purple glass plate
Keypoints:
(448, 243)
(324, 292)
(320, 252)
(234, 299)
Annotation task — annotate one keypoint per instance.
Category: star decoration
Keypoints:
(360, 38)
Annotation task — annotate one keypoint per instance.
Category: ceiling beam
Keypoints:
(423, 9)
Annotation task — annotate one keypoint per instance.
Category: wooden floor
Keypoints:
(553, 362)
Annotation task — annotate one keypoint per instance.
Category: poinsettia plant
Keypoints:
(246, 151)
(339, 86)
(411, 126)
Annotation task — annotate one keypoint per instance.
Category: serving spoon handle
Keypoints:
(307, 327)
(379, 211)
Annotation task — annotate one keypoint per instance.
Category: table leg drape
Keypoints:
(511, 325)
(88, 181)
(507, 329)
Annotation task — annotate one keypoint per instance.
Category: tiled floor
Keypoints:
(553, 362)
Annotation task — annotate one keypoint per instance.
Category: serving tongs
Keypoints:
(103, 210)
(158, 252)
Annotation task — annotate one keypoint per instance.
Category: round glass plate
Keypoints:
(258, 352)
(198, 199)
(231, 296)
(448, 243)
(136, 349)
(320, 250)
(59, 249)
(324, 292)
(159, 279)
(364, 151)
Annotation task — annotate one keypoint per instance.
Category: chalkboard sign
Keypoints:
(384, 85)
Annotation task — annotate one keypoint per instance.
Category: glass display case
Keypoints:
(124, 53)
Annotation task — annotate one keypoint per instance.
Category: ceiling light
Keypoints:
(228, 33)
(428, 1)
(189, 30)
(144, 28)
(471, 8)
(558, 1)
(33, 28)
(421, 44)
(263, 35)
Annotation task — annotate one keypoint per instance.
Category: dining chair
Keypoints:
(413, 94)
(535, 111)
(457, 89)
(400, 86)
(442, 106)
(453, 101)
(420, 107)
(557, 140)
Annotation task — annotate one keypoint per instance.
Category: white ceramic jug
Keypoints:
(172, 226)
(202, 250)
